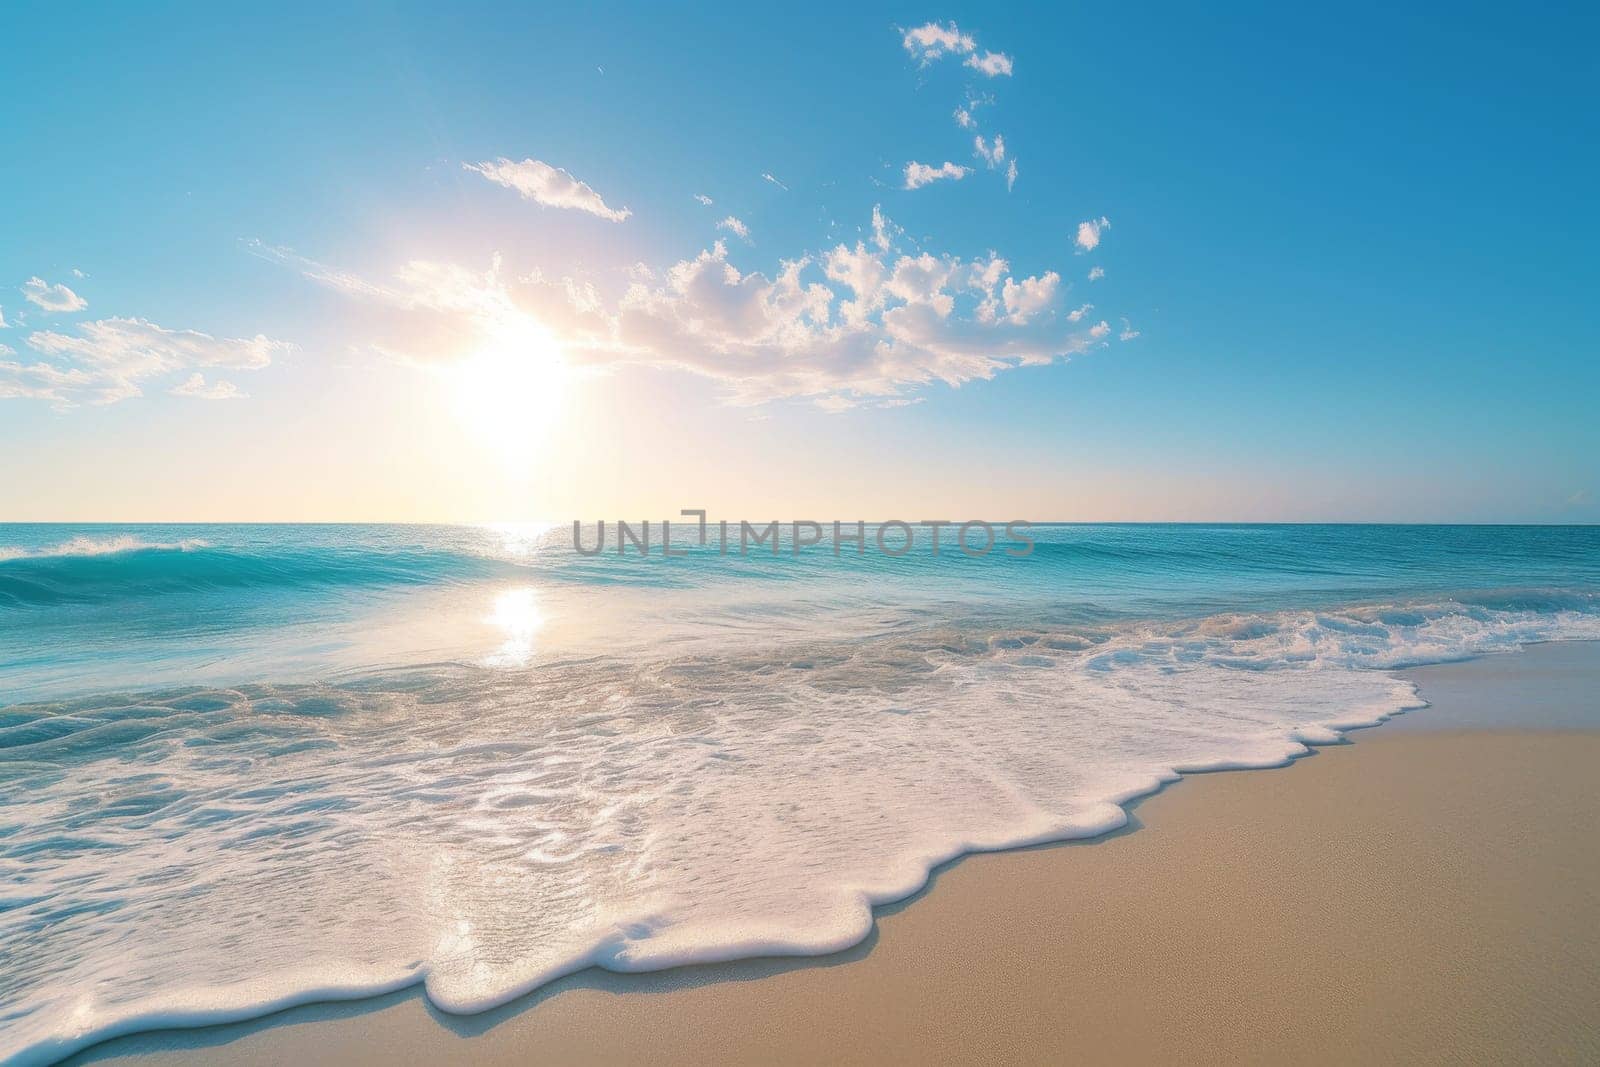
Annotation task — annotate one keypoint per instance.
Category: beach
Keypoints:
(1427, 891)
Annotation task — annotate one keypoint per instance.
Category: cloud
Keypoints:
(1089, 233)
(991, 64)
(920, 174)
(853, 325)
(964, 119)
(883, 231)
(768, 177)
(1096, 273)
(547, 185)
(734, 226)
(105, 361)
(1011, 175)
(1128, 332)
(1099, 329)
(931, 41)
(52, 297)
(343, 281)
(41, 381)
(1077, 313)
(196, 386)
(1027, 298)
(3, 324)
(703, 198)
(922, 280)
(994, 154)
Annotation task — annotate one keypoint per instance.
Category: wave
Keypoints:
(90, 546)
(87, 570)
(627, 812)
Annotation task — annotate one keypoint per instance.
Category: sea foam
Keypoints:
(204, 855)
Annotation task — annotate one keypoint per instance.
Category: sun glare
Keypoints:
(510, 392)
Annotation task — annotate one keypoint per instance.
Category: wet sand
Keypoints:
(1428, 892)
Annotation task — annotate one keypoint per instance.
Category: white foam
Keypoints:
(102, 546)
(207, 857)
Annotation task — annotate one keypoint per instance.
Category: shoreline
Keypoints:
(555, 1012)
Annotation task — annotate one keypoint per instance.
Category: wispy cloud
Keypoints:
(991, 64)
(1096, 273)
(883, 231)
(3, 324)
(931, 41)
(920, 174)
(105, 361)
(765, 176)
(1128, 332)
(551, 186)
(1011, 175)
(704, 200)
(964, 119)
(992, 154)
(734, 226)
(1089, 233)
(52, 297)
(196, 386)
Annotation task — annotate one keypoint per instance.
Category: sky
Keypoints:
(384, 262)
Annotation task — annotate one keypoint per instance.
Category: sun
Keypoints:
(510, 392)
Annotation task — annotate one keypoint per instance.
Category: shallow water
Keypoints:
(245, 766)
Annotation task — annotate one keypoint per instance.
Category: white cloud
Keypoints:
(1096, 273)
(930, 41)
(735, 227)
(1027, 298)
(1099, 329)
(52, 297)
(965, 120)
(551, 186)
(343, 281)
(1128, 332)
(105, 361)
(3, 324)
(920, 174)
(76, 273)
(197, 387)
(883, 231)
(993, 154)
(854, 325)
(922, 280)
(41, 381)
(991, 64)
(1089, 233)
(769, 178)
(703, 198)
(1011, 175)
(1077, 313)
(862, 273)
(985, 278)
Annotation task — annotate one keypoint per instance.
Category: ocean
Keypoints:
(243, 767)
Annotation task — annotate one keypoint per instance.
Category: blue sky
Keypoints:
(1355, 246)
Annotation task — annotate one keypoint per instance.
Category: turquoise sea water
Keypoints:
(244, 766)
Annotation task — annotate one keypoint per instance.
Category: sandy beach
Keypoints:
(1429, 892)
